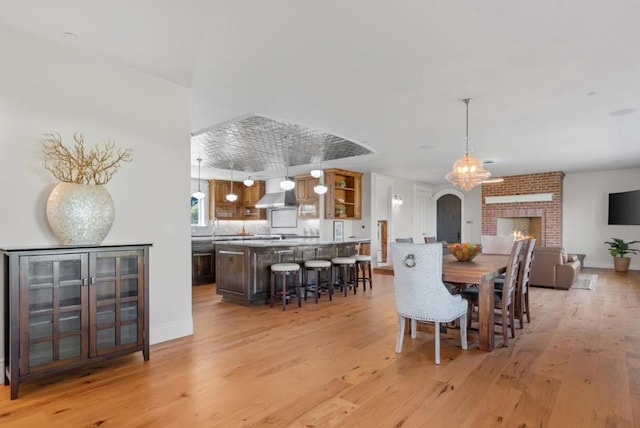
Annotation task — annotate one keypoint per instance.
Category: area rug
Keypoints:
(586, 281)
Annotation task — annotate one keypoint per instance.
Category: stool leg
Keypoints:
(354, 277)
(344, 279)
(273, 288)
(358, 277)
(369, 276)
(298, 290)
(283, 281)
(330, 282)
(317, 291)
(305, 282)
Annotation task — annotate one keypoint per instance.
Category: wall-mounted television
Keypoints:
(624, 208)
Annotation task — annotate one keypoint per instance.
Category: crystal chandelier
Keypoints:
(468, 171)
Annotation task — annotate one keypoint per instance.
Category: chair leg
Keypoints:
(505, 327)
(463, 331)
(437, 333)
(512, 321)
(414, 328)
(400, 334)
(526, 304)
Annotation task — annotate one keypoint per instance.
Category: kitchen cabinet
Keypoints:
(343, 199)
(241, 209)
(307, 201)
(203, 269)
(72, 306)
(251, 196)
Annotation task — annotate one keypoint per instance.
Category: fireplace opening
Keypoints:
(521, 227)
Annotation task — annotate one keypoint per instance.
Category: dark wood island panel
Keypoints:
(243, 268)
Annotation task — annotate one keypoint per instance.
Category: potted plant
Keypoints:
(618, 249)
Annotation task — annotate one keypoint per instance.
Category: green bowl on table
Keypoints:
(465, 252)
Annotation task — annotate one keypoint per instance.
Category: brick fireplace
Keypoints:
(531, 201)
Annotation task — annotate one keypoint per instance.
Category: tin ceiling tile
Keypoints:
(257, 143)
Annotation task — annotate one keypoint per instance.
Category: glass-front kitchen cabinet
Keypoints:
(73, 306)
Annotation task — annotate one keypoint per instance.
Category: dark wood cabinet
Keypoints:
(343, 199)
(231, 271)
(71, 306)
(203, 268)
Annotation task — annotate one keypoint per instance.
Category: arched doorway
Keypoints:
(449, 218)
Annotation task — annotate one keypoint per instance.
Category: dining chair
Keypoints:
(405, 240)
(522, 281)
(504, 299)
(420, 294)
(430, 239)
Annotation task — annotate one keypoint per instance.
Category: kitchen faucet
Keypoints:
(214, 225)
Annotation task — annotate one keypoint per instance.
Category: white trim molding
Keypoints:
(533, 197)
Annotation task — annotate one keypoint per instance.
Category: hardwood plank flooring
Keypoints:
(577, 364)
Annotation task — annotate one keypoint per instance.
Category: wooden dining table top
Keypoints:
(483, 266)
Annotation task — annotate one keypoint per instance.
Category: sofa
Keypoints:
(553, 267)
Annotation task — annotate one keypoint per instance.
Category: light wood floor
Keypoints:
(333, 364)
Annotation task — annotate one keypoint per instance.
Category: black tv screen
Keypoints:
(624, 208)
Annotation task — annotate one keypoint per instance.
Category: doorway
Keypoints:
(449, 218)
(381, 257)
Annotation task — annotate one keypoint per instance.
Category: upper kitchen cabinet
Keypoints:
(343, 200)
(219, 206)
(251, 196)
(242, 208)
(307, 201)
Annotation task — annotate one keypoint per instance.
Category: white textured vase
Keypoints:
(80, 214)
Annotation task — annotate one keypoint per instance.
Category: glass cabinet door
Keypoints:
(54, 296)
(116, 297)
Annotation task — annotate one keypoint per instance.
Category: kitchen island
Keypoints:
(243, 268)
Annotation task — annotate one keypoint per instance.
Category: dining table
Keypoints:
(480, 271)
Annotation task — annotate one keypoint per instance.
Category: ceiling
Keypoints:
(555, 85)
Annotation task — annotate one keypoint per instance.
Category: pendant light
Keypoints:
(287, 183)
(468, 171)
(231, 197)
(199, 194)
(319, 188)
(248, 181)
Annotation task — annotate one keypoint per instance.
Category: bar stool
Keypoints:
(317, 266)
(343, 273)
(363, 262)
(284, 270)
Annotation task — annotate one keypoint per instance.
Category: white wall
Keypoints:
(585, 211)
(50, 88)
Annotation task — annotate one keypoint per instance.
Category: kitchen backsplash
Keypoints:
(234, 227)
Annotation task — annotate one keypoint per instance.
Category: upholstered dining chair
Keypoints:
(406, 240)
(430, 239)
(420, 294)
(504, 299)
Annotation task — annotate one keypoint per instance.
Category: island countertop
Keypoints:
(291, 242)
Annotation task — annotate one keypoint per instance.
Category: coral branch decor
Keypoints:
(80, 210)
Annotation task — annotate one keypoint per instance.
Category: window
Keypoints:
(197, 211)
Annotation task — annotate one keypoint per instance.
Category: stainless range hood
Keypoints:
(275, 197)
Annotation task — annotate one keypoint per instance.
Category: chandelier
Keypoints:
(468, 171)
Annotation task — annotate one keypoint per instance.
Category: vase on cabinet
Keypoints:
(80, 214)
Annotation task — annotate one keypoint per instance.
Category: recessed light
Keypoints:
(487, 161)
(623, 112)
(426, 147)
(589, 94)
(70, 36)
